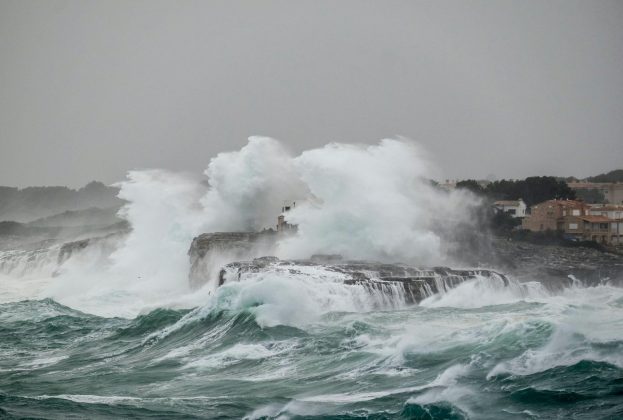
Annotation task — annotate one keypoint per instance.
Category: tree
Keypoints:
(504, 223)
(541, 188)
(612, 176)
(471, 185)
(591, 195)
(532, 190)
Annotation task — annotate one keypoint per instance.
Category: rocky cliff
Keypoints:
(410, 283)
(210, 251)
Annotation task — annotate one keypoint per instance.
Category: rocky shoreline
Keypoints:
(412, 283)
(554, 265)
(526, 260)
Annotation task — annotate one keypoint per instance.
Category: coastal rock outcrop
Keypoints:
(209, 251)
(223, 257)
(411, 283)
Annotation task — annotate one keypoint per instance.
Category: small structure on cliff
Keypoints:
(282, 225)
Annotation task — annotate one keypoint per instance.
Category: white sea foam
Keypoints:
(14, 289)
(446, 379)
(486, 291)
(235, 354)
(41, 362)
(586, 320)
(241, 352)
(446, 388)
(300, 297)
(93, 399)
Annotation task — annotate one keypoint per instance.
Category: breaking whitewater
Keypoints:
(144, 322)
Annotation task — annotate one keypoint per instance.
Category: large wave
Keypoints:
(538, 356)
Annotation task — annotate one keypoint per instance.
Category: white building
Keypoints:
(516, 208)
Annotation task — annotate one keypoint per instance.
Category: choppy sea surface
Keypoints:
(256, 351)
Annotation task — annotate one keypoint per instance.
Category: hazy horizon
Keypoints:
(90, 90)
(79, 185)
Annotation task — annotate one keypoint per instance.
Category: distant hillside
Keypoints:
(28, 204)
(612, 176)
(20, 229)
(73, 218)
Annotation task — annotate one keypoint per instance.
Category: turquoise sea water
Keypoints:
(476, 352)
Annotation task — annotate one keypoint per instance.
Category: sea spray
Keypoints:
(164, 214)
(249, 186)
(148, 267)
(372, 202)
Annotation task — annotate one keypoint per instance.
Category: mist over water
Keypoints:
(116, 330)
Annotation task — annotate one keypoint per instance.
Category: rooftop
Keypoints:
(564, 203)
(590, 185)
(609, 207)
(596, 219)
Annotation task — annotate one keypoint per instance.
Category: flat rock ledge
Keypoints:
(414, 283)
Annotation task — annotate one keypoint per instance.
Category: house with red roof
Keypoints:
(577, 220)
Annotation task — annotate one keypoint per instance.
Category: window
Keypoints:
(573, 226)
(603, 226)
(511, 211)
(575, 212)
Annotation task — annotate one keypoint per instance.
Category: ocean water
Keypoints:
(255, 350)
(117, 331)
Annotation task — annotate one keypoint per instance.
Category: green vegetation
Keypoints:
(503, 223)
(591, 196)
(551, 237)
(612, 176)
(532, 190)
(471, 185)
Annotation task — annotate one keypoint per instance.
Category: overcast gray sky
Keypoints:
(90, 89)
